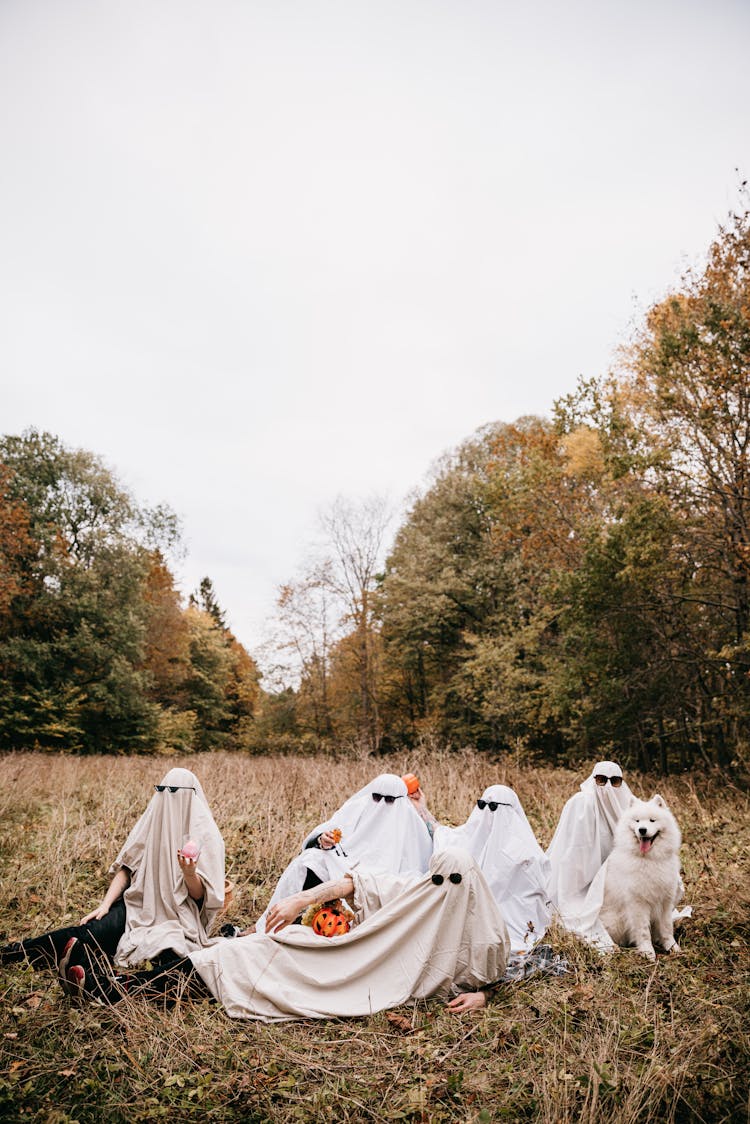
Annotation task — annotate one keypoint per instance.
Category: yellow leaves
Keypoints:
(583, 453)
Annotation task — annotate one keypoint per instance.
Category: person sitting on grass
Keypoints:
(501, 839)
(160, 900)
(438, 934)
(378, 827)
(582, 842)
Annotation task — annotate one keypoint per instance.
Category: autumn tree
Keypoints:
(441, 581)
(689, 374)
(18, 553)
(96, 651)
(355, 535)
(222, 684)
(307, 626)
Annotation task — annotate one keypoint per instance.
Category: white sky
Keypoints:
(257, 255)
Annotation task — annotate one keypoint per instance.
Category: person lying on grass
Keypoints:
(160, 900)
(378, 828)
(435, 935)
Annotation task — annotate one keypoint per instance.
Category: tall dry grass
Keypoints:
(618, 1039)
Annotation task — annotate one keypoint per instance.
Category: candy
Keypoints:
(190, 850)
(411, 781)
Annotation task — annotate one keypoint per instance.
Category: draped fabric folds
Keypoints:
(431, 935)
(515, 866)
(160, 914)
(580, 846)
(378, 835)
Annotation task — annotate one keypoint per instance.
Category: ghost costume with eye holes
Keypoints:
(416, 939)
(380, 836)
(160, 914)
(582, 841)
(509, 856)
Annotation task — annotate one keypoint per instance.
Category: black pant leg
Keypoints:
(105, 932)
(164, 984)
(46, 950)
(311, 879)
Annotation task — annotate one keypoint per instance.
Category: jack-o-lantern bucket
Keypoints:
(328, 923)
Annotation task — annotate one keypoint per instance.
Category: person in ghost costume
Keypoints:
(171, 901)
(581, 844)
(159, 900)
(501, 839)
(380, 830)
(438, 934)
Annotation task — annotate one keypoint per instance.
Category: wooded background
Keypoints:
(563, 588)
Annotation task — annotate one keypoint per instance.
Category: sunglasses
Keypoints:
(454, 878)
(378, 796)
(173, 787)
(493, 805)
(601, 780)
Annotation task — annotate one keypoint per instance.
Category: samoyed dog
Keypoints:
(642, 878)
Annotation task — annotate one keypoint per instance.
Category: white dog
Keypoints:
(642, 879)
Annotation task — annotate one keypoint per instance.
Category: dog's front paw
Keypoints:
(675, 948)
(648, 952)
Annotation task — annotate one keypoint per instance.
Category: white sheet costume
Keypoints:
(581, 844)
(515, 866)
(160, 914)
(437, 934)
(382, 835)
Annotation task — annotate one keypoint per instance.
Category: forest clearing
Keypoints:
(616, 1039)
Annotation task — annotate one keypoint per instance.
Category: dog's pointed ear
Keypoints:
(632, 800)
(659, 800)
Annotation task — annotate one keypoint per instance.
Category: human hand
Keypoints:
(96, 914)
(327, 840)
(284, 912)
(419, 800)
(467, 1001)
(187, 865)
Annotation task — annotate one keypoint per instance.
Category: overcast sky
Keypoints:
(257, 255)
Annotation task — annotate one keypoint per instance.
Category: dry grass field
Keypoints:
(618, 1039)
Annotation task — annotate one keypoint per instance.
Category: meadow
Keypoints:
(616, 1039)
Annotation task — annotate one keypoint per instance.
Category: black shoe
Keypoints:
(12, 953)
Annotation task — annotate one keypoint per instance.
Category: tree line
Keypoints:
(98, 653)
(562, 586)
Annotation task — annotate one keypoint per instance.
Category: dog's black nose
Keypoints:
(642, 830)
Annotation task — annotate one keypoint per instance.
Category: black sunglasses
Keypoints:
(601, 780)
(378, 796)
(454, 878)
(493, 805)
(173, 787)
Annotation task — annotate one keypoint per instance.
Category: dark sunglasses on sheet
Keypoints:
(601, 780)
(173, 787)
(454, 878)
(378, 796)
(493, 805)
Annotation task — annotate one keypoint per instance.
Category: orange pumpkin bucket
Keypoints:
(328, 923)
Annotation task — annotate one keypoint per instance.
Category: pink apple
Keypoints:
(190, 850)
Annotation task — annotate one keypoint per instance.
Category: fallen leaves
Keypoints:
(400, 1022)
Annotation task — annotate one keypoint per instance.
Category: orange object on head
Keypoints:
(412, 782)
(328, 923)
